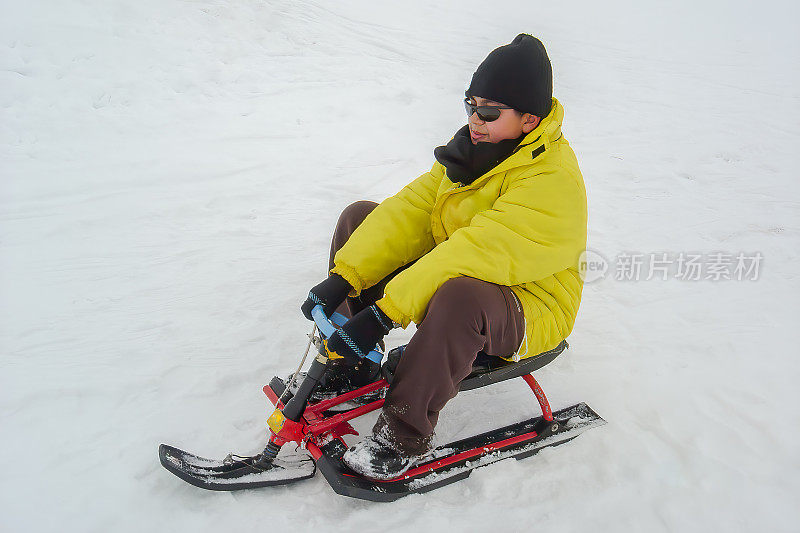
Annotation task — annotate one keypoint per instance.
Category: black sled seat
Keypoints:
(487, 369)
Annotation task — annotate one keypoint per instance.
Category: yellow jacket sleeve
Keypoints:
(533, 230)
(396, 233)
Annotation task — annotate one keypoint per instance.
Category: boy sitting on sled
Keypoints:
(481, 253)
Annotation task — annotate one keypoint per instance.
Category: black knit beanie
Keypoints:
(518, 75)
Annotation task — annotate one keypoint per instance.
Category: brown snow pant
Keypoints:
(465, 316)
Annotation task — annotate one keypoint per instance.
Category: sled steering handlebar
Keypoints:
(327, 327)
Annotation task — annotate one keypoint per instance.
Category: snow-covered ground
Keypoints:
(170, 173)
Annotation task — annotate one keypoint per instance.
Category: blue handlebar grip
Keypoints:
(327, 328)
(322, 321)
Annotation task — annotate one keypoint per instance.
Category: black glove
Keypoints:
(360, 334)
(330, 294)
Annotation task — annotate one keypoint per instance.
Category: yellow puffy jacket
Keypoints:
(522, 224)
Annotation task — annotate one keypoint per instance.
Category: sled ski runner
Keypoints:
(456, 461)
(233, 472)
(319, 429)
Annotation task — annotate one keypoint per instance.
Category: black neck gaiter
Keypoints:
(465, 162)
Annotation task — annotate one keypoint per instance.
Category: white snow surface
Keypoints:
(170, 174)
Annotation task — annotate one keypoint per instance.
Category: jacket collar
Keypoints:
(539, 140)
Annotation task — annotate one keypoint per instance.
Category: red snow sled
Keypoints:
(319, 430)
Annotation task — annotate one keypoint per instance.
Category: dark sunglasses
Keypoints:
(487, 113)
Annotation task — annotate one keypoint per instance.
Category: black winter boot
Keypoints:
(376, 458)
(341, 377)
